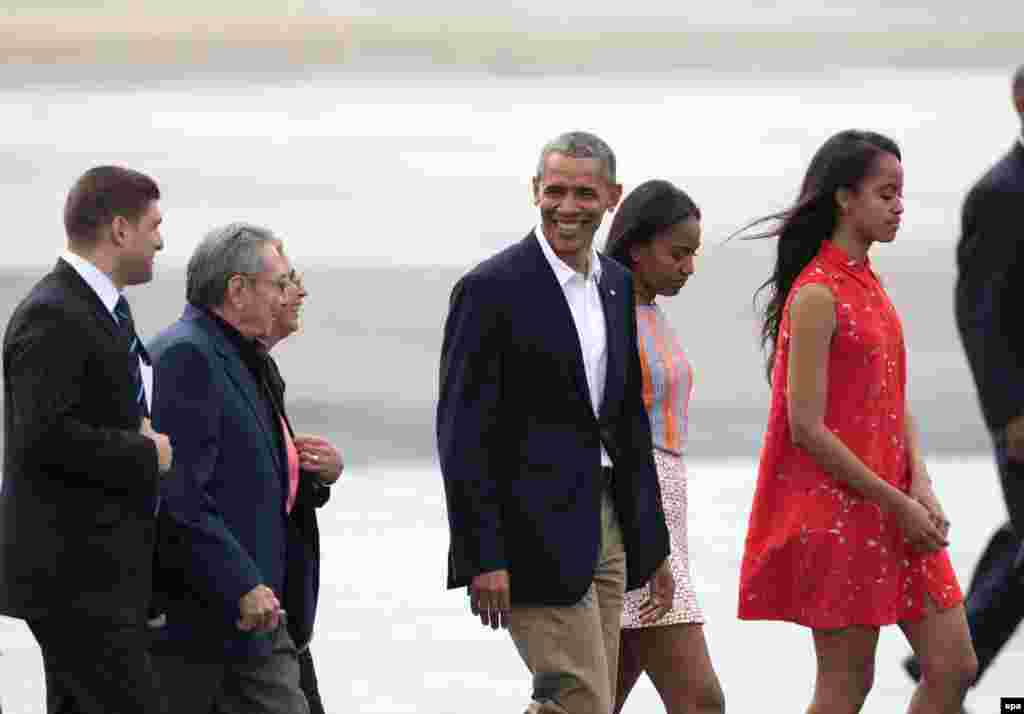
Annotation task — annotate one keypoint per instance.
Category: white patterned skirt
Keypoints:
(672, 478)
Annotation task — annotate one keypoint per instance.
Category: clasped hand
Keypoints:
(922, 519)
(662, 591)
(319, 456)
(260, 610)
(163, 444)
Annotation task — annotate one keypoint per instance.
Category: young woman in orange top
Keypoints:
(656, 233)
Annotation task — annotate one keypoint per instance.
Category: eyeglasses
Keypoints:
(282, 283)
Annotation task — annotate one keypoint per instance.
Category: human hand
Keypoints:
(318, 456)
(921, 491)
(918, 526)
(1015, 439)
(662, 591)
(260, 609)
(490, 597)
(164, 452)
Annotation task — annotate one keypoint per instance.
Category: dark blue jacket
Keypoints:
(990, 288)
(518, 439)
(227, 530)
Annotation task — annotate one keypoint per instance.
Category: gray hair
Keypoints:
(223, 252)
(580, 145)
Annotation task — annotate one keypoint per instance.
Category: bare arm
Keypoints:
(812, 325)
(921, 489)
(915, 462)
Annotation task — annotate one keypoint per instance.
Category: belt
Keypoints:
(607, 475)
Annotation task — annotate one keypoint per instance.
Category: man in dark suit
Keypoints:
(989, 297)
(82, 464)
(545, 447)
(225, 646)
(317, 465)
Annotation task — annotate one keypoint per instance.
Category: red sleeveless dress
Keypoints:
(816, 552)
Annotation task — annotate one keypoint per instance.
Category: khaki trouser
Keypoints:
(573, 651)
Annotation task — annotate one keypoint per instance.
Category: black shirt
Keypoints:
(254, 355)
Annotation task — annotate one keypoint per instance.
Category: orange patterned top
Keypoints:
(667, 379)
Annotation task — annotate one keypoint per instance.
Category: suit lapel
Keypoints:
(555, 309)
(240, 376)
(613, 330)
(77, 285)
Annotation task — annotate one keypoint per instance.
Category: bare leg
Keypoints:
(676, 659)
(942, 644)
(846, 669)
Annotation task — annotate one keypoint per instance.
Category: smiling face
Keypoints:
(287, 321)
(873, 211)
(573, 195)
(663, 265)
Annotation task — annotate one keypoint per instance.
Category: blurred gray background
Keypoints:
(391, 145)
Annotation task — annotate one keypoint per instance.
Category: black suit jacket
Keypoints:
(76, 509)
(302, 577)
(518, 439)
(990, 288)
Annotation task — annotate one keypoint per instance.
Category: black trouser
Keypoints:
(307, 680)
(995, 600)
(195, 684)
(95, 667)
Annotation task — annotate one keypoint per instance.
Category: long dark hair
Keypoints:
(649, 209)
(843, 161)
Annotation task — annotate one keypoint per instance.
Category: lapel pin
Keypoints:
(612, 292)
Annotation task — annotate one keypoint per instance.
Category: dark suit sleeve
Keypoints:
(188, 407)
(989, 302)
(638, 450)
(311, 493)
(467, 431)
(46, 368)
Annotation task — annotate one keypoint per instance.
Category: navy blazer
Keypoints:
(228, 530)
(519, 441)
(990, 288)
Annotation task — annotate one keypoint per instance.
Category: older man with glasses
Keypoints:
(225, 646)
(314, 464)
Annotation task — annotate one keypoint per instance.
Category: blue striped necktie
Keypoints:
(123, 313)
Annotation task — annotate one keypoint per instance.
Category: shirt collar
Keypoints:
(95, 278)
(563, 272)
(836, 256)
(246, 345)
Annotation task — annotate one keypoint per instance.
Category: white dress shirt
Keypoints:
(108, 294)
(588, 314)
